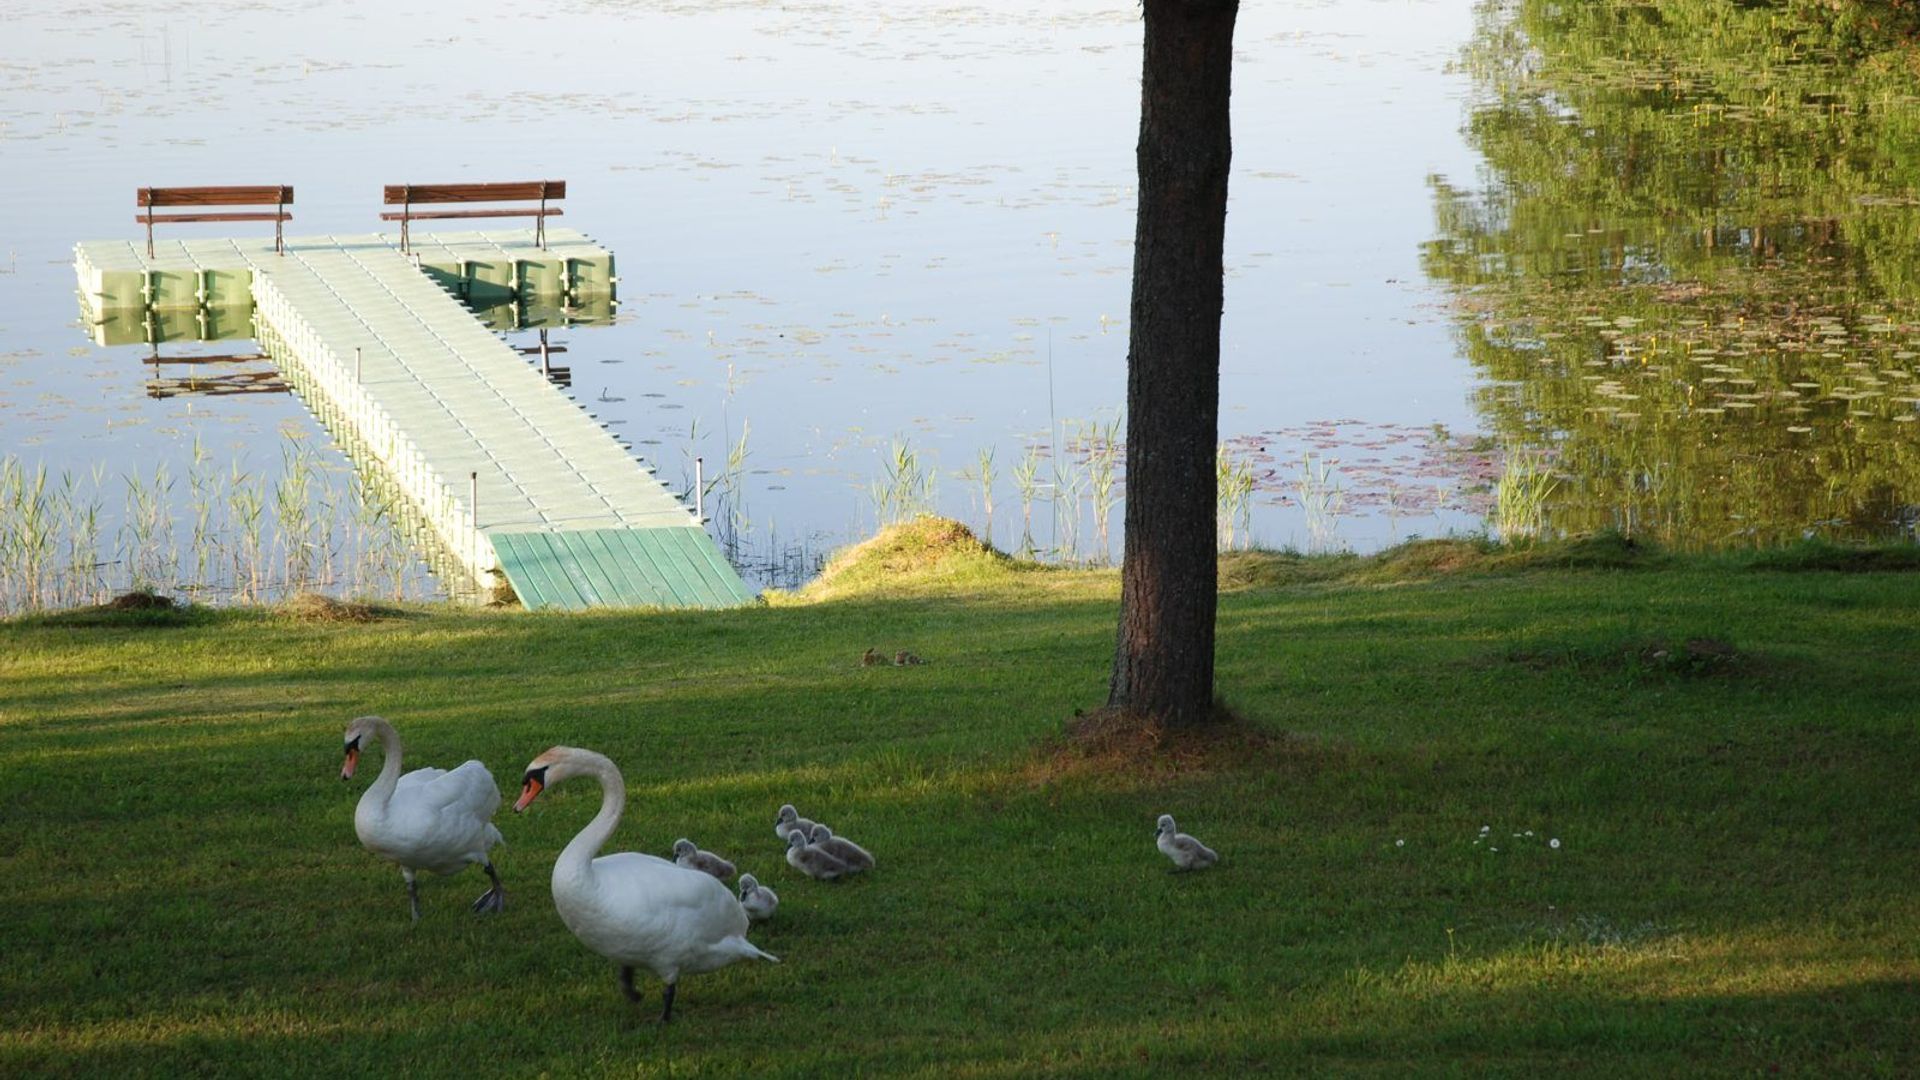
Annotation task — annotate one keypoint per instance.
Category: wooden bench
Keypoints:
(280, 197)
(406, 196)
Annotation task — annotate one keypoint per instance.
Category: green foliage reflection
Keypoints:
(1691, 275)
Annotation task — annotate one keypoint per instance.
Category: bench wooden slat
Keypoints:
(551, 211)
(276, 195)
(489, 192)
(409, 196)
(154, 219)
(214, 196)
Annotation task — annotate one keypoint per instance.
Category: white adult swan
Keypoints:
(636, 910)
(429, 819)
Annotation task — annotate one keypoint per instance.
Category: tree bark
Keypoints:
(1163, 663)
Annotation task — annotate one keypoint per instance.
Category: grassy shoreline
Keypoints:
(1723, 746)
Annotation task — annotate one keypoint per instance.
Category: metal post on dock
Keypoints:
(473, 497)
(358, 366)
(699, 490)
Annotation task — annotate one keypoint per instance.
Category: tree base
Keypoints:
(1129, 742)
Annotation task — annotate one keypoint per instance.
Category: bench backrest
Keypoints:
(513, 191)
(279, 195)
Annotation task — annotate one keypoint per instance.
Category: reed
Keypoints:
(1520, 496)
(1026, 480)
(146, 530)
(906, 490)
(1323, 498)
(688, 452)
(27, 517)
(246, 504)
(730, 484)
(201, 480)
(293, 514)
(1233, 497)
(982, 476)
(248, 538)
(81, 525)
(722, 494)
(1069, 481)
(1103, 480)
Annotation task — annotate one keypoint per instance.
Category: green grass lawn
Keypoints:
(1734, 890)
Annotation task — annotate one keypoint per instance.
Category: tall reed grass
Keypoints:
(906, 488)
(1520, 495)
(1026, 481)
(228, 535)
(1233, 497)
(1323, 498)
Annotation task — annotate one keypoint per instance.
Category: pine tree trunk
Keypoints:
(1163, 665)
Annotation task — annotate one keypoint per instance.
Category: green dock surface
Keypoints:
(515, 478)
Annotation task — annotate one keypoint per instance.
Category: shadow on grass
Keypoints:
(579, 1028)
(1691, 658)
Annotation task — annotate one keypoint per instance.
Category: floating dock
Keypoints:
(516, 481)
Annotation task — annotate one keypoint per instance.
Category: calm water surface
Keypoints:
(844, 231)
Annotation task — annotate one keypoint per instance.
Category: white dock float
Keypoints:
(515, 479)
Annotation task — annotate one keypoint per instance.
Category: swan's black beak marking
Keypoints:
(531, 786)
(353, 758)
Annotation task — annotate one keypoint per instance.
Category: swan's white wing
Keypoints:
(417, 780)
(631, 881)
(442, 819)
(469, 788)
(646, 910)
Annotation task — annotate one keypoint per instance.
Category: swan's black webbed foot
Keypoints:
(627, 988)
(494, 900)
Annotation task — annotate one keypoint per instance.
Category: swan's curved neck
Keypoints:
(577, 858)
(375, 800)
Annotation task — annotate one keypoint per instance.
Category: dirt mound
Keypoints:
(140, 600)
(313, 607)
(1117, 741)
(923, 551)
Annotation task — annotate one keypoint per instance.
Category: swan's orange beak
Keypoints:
(529, 789)
(353, 759)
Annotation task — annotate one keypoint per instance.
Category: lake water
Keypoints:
(847, 232)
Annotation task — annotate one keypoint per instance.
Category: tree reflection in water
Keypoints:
(1691, 273)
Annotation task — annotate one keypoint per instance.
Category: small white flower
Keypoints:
(1486, 828)
(1399, 843)
(1490, 848)
(1529, 832)
(1554, 843)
